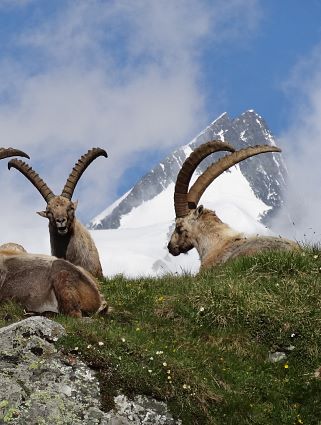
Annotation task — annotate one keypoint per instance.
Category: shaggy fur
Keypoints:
(11, 248)
(216, 242)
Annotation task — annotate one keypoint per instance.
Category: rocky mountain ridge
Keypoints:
(266, 174)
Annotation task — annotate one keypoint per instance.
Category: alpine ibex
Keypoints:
(197, 227)
(69, 239)
(42, 283)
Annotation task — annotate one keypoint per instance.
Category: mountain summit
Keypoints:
(264, 173)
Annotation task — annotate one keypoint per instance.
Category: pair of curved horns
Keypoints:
(7, 152)
(68, 190)
(184, 199)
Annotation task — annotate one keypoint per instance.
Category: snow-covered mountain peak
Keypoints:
(245, 197)
(265, 174)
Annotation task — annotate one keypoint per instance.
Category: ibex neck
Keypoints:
(212, 242)
(59, 243)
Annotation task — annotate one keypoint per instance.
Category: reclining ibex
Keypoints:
(197, 227)
(42, 283)
(69, 239)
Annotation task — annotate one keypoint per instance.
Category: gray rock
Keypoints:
(140, 410)
(40, 386)
(277, 356)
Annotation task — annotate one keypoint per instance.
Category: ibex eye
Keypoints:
(179, 230)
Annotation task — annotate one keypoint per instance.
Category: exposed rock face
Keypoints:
(40, 386)
(140, 410)
(266, 174)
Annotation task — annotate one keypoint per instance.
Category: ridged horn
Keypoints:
(185, 174)
(79, 168)
(33, 177)
(6, 152)
(223, 164)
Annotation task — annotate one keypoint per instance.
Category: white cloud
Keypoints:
(302, 150)
(122, 75)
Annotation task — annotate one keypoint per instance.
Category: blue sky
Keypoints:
(142, 77)
(253, 73)
(237, 72)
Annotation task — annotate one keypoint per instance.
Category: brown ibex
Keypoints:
(200, 228)
(42, 283)
(69, 239)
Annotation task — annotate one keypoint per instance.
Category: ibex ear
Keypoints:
(42, 213)
(199, 211)
(75, 205)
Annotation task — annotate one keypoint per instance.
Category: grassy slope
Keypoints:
(202, 343)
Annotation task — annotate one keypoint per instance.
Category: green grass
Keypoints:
(202, 343)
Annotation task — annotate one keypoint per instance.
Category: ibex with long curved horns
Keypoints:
(197, 227)
(69, 239)
(42, 283)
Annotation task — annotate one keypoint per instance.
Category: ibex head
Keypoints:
(191, 219)
(60, 212)
(60, 209)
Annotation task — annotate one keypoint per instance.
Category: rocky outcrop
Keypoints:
(40, 385)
